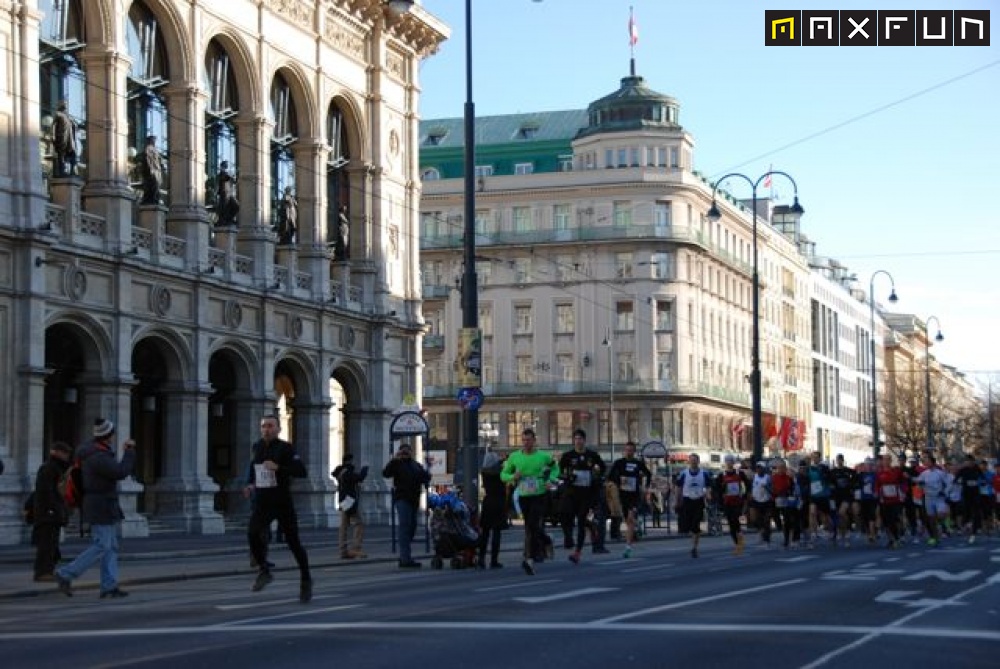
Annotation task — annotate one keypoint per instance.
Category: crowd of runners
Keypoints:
(884, 500)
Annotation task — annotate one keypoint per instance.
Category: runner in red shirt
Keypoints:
(890, 486)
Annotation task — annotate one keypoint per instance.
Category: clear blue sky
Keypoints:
(896, 150)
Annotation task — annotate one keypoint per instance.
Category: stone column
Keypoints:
(256, 239)
(153, 218)
(188, 217)
(310, 177)
(314, 501)
(185, 494)
(107, 192)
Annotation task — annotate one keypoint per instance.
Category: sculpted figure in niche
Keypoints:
(152, 172)
(343, 234)
(289, 217)
(63, 142)
(227, 206)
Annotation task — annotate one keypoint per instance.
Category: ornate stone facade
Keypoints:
(182, 320)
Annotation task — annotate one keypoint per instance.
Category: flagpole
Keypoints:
(633, 39)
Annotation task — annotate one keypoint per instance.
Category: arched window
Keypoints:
(61, 74)
(148, 73)
(338, 184)
(220, 130)
(282, 115)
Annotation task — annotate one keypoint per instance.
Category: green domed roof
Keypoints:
(633, 106)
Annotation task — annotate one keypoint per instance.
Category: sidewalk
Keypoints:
(170, 556)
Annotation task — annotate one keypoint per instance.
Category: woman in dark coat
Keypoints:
(493, 515)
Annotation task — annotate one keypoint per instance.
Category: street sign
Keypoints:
(653, 450)
(471, 398)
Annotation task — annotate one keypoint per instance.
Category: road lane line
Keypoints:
(268, 602)
(700, 600)
(544, 599)
(573, 627)
(652, 567)
(304, 612)
(521, 584)
(876, 633)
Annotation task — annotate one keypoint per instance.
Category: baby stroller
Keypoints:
(454, 536)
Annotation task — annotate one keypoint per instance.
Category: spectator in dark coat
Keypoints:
(493, 514)
(408, 480)
(101, 471)
(49, 510)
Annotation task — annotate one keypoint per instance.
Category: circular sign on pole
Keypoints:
(654, 450)
(471, 398)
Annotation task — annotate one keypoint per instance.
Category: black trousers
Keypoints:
(578, 505)
(264, 513)
(46, 540)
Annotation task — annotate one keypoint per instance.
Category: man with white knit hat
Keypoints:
(101, 470)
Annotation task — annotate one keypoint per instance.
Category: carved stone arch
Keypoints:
(93, 336)
(170, 341)
(358, 141)
(352, 378)
(247, 370)
(308, 121)
(242, 59)
(177, 39)
(301, 370)
(99, 22)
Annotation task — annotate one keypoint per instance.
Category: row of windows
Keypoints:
(65, 79)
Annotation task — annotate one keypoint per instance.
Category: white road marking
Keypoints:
(304, 612)
(858, 574)
(797, 558)
(755, 631)
(942, 575)
(650, 567)
(563, 595)
(894, 627)
(268, 602)
(900, 597)
(527, 583)
(700, 600)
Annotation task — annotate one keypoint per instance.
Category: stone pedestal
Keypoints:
(153, 218)
(66, 193)
(188, 505)
(134, 524)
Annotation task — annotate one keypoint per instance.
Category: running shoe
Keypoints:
(528, 568)
(628, 552)
(574, 557)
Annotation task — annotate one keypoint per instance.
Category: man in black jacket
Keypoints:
(349, 497)
(408, 479)
(49, 510)
(274, 463)
(101, 472)
(584, 471)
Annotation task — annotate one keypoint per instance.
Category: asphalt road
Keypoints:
(830, 607)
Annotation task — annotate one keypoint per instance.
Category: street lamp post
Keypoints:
(871, 303)
(755, 382)
(470, 293)
(609, 342)
(927, 376)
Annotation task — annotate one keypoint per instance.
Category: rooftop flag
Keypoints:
(633, 29)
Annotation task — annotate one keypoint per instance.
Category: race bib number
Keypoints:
(972, 484)
(857, 495)
(733, 489)
(528, 486)
(816, 487)
(628, 484)
(867, 488)
(264, 477)
(582, 478)
(889, 490)
(781, 502)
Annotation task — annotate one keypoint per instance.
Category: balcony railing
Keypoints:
(599, 388)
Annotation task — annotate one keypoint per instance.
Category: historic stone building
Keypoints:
(208, 212)
(608, 300)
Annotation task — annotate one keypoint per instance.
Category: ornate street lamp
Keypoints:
(876, 446)
(755, 385)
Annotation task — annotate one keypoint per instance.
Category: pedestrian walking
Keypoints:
(101, 471)
(349, 480)
(275, 462)
(49, 510)
(409, 478)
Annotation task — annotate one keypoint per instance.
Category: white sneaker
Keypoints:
(972, 538)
